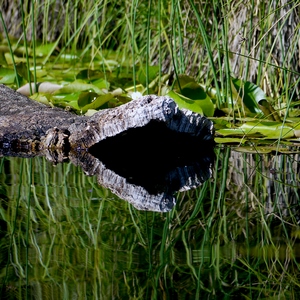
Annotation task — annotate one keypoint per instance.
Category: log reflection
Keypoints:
(146, 166)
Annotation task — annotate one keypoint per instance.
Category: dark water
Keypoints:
(63, 236)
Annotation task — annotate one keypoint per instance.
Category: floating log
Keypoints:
(30, 128)
(143, 151)
(24, 124)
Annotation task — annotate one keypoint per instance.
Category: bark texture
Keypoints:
(164, 149)
(24, 123)
(32, 128)
(138, 113)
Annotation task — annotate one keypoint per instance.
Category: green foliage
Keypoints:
(129, 46)
(250, 94)
(7, 76)
(270, 130)
(64, 235)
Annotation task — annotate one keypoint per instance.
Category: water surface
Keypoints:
(237, 235)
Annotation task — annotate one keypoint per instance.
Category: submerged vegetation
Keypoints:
(237, 63)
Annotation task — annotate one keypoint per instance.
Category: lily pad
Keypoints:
(229, 140)
(184, 102)
(270, 130)
(194, 98)
(181, 81)
(7, 76)
(98, 102)
(45, 49)
(250, 93)
(86, 98)
(78, 86)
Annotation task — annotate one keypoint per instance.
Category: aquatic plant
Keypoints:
(191, 51)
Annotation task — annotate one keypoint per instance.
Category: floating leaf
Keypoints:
(211, 91)
(78, 86)
(229, 140)
(181, 81)
(101, 83)
(23, 71)
(86, 98)
(194, 98)
(100, 101)
(3, 61)
(271, 130)
(184, 102)
(22, 51)
(7, 76)
(68, 103)
(66, 100)
(138, 88)
(250, 93)
(269, 111)
(45, 49)
(89, 74)
(193, 91)
(41, 97)
(114, 103)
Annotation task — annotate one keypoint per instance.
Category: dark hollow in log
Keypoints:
(144, 150)
(150, 153)
(139, 113)
(31, 128)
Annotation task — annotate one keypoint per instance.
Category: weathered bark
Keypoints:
(138, 113)
(24, 124)
(32, 128)
(164, 149)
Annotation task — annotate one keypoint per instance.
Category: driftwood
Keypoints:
(29, 127)
(24, 124)
(143, 151)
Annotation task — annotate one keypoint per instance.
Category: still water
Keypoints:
(236, 235)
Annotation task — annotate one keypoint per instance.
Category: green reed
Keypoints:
(178, 36)
(10, 49)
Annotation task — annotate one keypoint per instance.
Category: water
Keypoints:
(63, 236)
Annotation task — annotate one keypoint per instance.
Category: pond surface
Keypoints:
(63, 236)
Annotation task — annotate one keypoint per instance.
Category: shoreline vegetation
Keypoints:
(233, 62)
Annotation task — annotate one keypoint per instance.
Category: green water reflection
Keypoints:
(236, 236)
